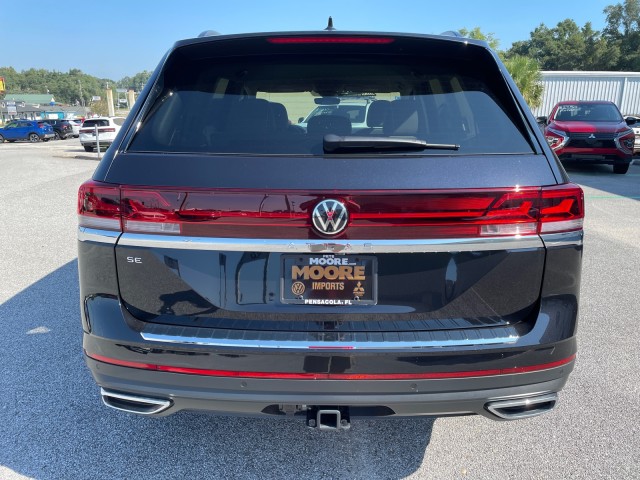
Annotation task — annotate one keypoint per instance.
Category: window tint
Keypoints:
(252, 106)
(98, 122)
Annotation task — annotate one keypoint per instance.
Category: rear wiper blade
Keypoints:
(352, 143)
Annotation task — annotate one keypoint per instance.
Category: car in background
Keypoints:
(354, 108)
(428, 265)
(108, 128)
(635, 125)
(31, 130)
(590, 131)
(62, 128)
(75, 125)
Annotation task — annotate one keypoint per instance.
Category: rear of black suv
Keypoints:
(233, 261)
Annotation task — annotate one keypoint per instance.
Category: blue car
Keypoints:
(32, 130)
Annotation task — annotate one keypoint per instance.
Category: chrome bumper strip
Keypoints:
(563, 239)
(196, 336)
(94, 235)
(329, 246)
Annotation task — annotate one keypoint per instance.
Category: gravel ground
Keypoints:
(53, 426)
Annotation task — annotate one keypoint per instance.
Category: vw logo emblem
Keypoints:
(330, 217)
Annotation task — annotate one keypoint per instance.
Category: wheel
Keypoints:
(33, 137)
(1, 139)
(621, 168)
(87, 148)
(56, 136)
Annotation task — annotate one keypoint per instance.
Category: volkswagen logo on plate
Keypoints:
(330, 217)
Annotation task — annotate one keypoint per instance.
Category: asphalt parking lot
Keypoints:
(53, 426)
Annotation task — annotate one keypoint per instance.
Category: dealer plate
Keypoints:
(341, 280)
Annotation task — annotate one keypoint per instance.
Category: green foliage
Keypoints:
(524, 70)
(71, 87)
(526, 74)
(477, 34)
(623, 32)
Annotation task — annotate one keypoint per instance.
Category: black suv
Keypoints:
(62, 128)
(233, 261)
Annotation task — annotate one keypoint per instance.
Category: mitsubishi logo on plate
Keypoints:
(592, 136)
(330, 217)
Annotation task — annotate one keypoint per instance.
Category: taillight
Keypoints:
(561, 209)
(110, 130)
(556, 138)
(99, 206)
(476, 213)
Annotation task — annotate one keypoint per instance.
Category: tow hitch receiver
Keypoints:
(328, 418)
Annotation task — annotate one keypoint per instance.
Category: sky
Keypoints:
(117, 38)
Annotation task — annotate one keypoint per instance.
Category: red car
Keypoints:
(592, 131)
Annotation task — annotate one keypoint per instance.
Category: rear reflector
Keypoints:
(330, 376)
(330, 39)
(426, 214)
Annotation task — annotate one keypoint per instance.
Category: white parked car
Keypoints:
(108, 128)
(636, 130)
(76, 123)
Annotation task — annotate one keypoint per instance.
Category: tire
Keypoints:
(56, 136)
(621, 168)
(34, 137)
(10, 141)
(87, 148)
(1, 139)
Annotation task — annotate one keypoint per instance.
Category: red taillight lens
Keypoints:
(561, 209)
(110, 130)
(330, 39)
(99, 206)
(436, 214)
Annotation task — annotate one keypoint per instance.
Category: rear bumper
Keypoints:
(450, 380)
(607, 156)
(266, 397)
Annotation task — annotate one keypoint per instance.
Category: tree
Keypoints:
(477, 34)
(524, 70)
(526, 74)
(623, 31)
(567, 47)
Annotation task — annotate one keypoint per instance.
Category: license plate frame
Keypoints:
(329, 280)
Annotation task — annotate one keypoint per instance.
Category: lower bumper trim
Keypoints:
(330, 376)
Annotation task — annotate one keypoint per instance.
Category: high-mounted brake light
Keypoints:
(330, 39)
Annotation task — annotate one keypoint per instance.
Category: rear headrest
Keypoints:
(377, 112)
(402, 118)
(280, 116)
(323, 124)
(250, 116)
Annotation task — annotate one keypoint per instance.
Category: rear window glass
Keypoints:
(93, 123)
(286, 104)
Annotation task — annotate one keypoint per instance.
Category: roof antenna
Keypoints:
(330, 25)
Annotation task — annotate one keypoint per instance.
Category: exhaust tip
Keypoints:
(523, 407)
(134, 403)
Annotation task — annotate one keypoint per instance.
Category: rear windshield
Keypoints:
(286, 104)
(588, 112)
(93, 123)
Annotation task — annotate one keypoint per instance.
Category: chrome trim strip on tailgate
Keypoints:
(86, 234)
(347, 340)
(331, 246)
